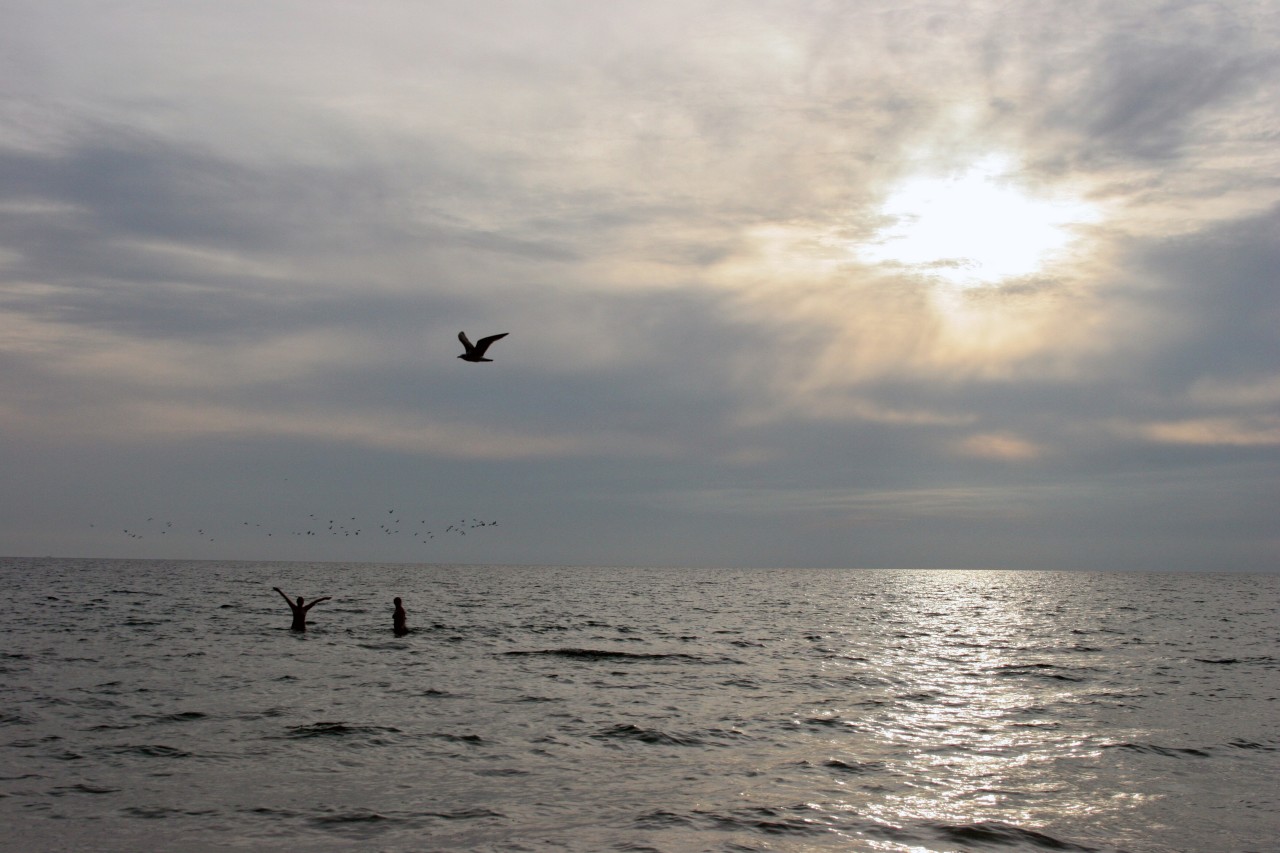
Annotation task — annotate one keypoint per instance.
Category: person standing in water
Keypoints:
(398, 620)
(299, 610)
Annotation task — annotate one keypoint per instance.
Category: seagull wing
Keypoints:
(483, 343)
(462, 336)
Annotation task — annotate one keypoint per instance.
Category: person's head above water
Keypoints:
(299, 601)
(396, 601)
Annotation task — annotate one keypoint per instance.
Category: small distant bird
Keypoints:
(476, 351)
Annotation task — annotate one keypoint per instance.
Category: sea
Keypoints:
(167, 705)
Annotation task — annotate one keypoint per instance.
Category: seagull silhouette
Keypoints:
(476, 351)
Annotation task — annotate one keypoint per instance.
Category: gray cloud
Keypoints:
(233, 263)
(1220, 289)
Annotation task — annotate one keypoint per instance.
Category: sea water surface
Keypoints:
(166, 706)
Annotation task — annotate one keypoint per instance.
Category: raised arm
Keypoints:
(311, 604)
(282, 595)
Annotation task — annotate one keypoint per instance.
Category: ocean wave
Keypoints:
(1040, 670)
(1258, 660)
(25, 743)
(760, 819)
(265, 714)
(162, 812)
(526, 699)
(146, 750)
(368, 822)
(1154, 749)
(472, 740)
(478, 813)
(1240, 743)
(854, 767)
(640, 734)
(995, 834)
(663, 819)
(828, 721)
(435, 692)
(111, 727)
(504, 772)
(347, 818)
(179, 717)
(371, 734)
(267, 811)
(603, 654)
(82, 788)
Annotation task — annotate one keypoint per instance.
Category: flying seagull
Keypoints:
(476, 351)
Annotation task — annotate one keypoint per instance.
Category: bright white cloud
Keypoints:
(977, 227)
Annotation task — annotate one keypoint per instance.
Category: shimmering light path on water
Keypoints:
(166, 706)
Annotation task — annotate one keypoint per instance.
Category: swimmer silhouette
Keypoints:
(299, 610)
(398, 620)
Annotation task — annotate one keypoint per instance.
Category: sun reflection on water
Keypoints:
(966, 730)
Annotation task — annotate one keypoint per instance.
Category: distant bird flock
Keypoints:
(394, 523)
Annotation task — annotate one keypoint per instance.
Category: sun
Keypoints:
(978, 227)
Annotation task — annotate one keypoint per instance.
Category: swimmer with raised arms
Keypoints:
(299, 609)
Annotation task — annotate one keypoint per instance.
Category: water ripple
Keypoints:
(583, 710)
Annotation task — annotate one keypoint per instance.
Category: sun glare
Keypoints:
(978, 227)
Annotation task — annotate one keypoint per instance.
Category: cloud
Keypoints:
(998, 445)
(264, 231)
(1217, 431)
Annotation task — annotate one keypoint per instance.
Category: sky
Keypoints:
(869, 284)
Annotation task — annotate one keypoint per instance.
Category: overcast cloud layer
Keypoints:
(238, 240)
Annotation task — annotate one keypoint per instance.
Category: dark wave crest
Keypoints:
(603, 654)
(628, 732)
(1154, 749)
(997, 834)
(795, 821)
(338, 730)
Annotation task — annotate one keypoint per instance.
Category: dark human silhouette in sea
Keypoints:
(476, 351)
(398, 618)
(299, 610)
